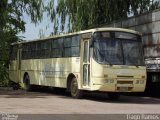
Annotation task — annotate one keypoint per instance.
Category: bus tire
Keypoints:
(27, 85)
(113, 96)
(75, 92)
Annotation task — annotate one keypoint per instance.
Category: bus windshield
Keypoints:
(118, 48)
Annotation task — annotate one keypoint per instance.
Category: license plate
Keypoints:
(123, 89)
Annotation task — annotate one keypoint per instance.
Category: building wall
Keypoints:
(149, 25)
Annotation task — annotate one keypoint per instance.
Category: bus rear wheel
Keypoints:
(113, 96)
(27, 85)
(75, 92)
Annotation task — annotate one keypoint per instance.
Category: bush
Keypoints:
(4, 78)
(3, 75)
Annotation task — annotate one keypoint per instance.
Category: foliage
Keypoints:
(11, 20)
(11, 23)
(76, 14)
(3, 74)
(84, 14)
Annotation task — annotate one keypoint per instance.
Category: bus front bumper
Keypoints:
(119, 87)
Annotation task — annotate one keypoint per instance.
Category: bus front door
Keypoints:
(85, 63)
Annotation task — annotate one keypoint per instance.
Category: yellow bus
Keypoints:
(102, 59)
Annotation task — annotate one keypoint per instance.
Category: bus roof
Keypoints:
(81, 32)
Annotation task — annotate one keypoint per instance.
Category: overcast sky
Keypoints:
(32, 30)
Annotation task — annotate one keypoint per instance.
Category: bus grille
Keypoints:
(124, 82)
(124, 76)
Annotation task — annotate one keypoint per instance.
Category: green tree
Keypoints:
(11, 18)
(84, 14)
(12, 22)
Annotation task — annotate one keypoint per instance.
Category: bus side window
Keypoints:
(72, 46)
(47, 49)
(67, 47)
(38, 50)
(57, 48)
(13, 53)
(75, 48)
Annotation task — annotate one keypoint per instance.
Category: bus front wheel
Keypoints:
(75, 92)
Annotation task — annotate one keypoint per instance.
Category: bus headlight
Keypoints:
(139, 81)
(109, 81)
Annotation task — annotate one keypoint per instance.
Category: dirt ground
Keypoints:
(44, 102)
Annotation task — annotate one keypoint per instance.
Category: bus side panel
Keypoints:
(76, 70)
(50, 72)
(13, 71)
